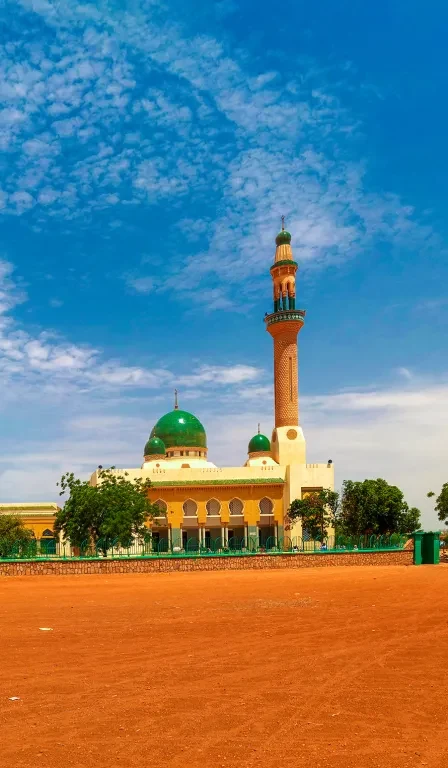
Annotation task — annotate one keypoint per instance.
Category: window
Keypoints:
(266, 506)
(47, 532)
(236, 507)
(190, 508)
(213, 508)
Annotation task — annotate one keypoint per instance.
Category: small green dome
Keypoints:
(283, 238)
(179, 428)
(259, 443)
(155, 447)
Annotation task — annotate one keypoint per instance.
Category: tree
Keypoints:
(114, 509)
(410, 520)
(318, 511)
(374, 506)
(441, 505)
(14, 537)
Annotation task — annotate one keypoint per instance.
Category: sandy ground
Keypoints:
(343, 667)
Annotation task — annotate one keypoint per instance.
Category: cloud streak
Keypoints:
(49, 364)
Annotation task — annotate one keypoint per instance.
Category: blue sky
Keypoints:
(148, 150)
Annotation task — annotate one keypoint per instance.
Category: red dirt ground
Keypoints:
(334, 667)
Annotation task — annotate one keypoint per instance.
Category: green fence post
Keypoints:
(418, 536)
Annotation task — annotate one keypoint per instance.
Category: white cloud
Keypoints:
(140, 284)
(405, 373)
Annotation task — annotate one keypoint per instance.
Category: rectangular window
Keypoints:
(290, 381)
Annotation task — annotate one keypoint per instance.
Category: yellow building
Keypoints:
(37, 516)
(201, 503)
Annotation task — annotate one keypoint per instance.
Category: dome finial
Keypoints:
(176, 406)
(259, 428)
(283, 223)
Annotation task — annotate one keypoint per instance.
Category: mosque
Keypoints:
(201, 502)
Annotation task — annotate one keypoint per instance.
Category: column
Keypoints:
(252, 532)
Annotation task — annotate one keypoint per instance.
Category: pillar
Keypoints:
(176, 537)
(252, 532)
(418, 537)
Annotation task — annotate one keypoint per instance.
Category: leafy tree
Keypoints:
(410, 520)
(115, 508)
(441, 505)
(374, 506)
(14, 537)
(317, 510)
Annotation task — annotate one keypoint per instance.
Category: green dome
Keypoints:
(179, 428)
(259, 443)
(154, 447)
(283, 238)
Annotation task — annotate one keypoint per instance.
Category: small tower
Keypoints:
(284, 323)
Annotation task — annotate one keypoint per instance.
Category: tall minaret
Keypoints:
(284, 323)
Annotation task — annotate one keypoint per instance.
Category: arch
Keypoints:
(47, 533)
(162, 507)
(266, 506)
(289, 286)
(236, 507)
(213, 508)
(190, 508)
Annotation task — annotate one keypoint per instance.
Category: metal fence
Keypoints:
(51, 549)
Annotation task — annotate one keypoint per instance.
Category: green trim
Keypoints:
(283, 262)
(255, 481)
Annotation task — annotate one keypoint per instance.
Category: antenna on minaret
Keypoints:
(283, 223)
(258, 428)
(176, 406)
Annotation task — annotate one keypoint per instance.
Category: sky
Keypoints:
(147, 152)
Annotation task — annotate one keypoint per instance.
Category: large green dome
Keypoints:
(259, 443)
(155, 447)
(180, 428)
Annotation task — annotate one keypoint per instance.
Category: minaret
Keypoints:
(284, 323)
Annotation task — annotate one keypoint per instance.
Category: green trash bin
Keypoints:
(431, 548)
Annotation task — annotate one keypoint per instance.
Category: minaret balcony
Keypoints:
(285, 315)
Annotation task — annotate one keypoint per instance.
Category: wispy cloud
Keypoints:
(91, 129)
(50, 364)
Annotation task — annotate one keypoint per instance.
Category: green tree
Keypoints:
(374, 506)
(15, 539)
(410, 520)
(318, 512)
(115, 508)
(441, 505)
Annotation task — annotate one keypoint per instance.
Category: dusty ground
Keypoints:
(343, 667)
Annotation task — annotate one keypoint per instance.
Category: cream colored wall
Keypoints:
(302, 477)
(172, 473)
(288, 445)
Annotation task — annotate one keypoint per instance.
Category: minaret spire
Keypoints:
(176, 406)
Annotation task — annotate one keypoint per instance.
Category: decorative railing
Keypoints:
(285, 314)
(192, 547)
